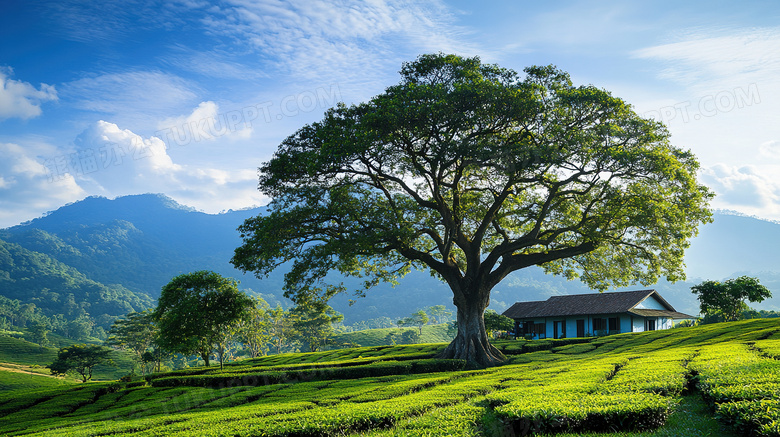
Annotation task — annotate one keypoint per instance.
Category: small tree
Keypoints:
(728, 298)
(439, 313)
(39, 331)
(497, 322)
(196, 312)
(313, 322)
(80, 327)
(418, 319)
(81, 358)
(253, 330)
(280, 327)
(136, 333)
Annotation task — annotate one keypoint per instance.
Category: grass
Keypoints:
(15, 351)
(379, 337)
(628, 385)
(18, 351)
(10, 381)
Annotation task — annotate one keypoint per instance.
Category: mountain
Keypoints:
(55, 288)
(734, 244)
(140, 242)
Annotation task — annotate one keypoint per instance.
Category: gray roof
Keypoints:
(661, 313)
(593, 303)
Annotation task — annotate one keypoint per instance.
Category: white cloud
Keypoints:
(770, 149)
(746, 188)
(21, 99)
(205, 123)
(116, 162)
(352, 41)
(741, 57)
(133, 96)
(28, 187)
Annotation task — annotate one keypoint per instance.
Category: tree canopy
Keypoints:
(728, 298)
(419, 319)
(135, 332)
(196, 312)
(497, 322)
(473, 171)
(81, 358)
(312, 323)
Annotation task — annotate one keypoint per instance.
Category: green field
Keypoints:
(379, 337)
(16, 351)
(717, 380)
(21, 380)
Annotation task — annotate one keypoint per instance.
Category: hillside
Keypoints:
(138, 243)
(23, 367)
(54, 287)
(626, 382)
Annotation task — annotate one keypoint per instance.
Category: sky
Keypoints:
(188, 97)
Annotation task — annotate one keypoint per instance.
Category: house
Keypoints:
(581, 315)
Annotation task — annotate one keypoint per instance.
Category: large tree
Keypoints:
(197, 312)
(728, 298)
(473, 171)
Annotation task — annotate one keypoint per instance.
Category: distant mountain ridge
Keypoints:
(140, 242)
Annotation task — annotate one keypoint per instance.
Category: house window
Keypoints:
(599, 324)
(613, 324)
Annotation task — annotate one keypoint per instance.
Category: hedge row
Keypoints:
(59, 405)
(514, 347)
(770, 348)
(743, 386)
(255, 367)
(664, 373)
(608, 394)
(379, 368)
(280, 416)
(579, 412)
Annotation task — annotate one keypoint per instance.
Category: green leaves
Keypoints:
(728, 297)
(81, 358)
(742, 386)
(472, 172)
(462, 159)
(196, 311)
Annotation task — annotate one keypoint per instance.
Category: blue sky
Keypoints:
(189, 97)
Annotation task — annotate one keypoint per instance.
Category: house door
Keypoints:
(650, 325)
(559, 330)
(580, 328)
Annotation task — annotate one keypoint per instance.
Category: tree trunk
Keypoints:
(221, 355)
(471, 343)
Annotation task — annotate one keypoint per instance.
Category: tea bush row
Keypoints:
(742, 385)
(614, 393)
(379, 368)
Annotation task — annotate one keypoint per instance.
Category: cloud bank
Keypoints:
(20, 99)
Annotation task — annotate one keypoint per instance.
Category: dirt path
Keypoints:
(18, 368)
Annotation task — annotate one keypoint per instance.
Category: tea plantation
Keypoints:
(621, 385)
